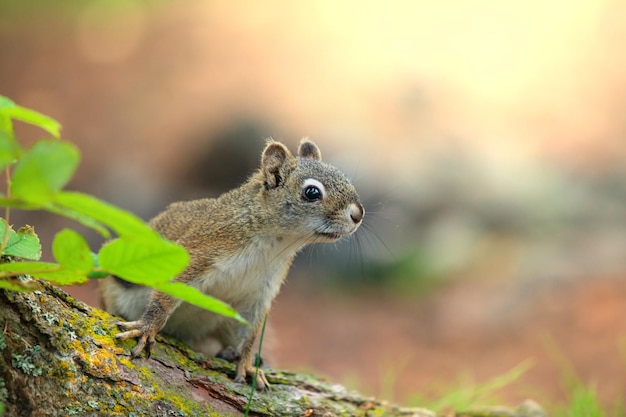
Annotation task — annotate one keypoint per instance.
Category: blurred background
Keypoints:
(486, 139)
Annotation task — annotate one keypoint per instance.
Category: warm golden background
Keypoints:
(486, 139)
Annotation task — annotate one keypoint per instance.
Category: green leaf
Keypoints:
(96, 273)
(72, 251)
(32, 117)
(196, 297)
(15, 285)
(6, 126)
(17, 268)
(6, 102)
(121, 221)
(9, 149)
(62, 276)
(22, 205)
(23, 244)
(43, 170)
(70, 214)
(49, 271)
(143, 260)
(61, 211)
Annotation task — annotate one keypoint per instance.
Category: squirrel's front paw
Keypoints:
(137, 330)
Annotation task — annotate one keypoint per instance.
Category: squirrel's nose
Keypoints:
(356, 212)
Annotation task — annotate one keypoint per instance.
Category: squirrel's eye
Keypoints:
(312, 193)
(313, 190)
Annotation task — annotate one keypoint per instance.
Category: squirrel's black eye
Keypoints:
(312, 193)
(313, 190)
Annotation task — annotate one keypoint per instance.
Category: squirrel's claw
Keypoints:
(137, 330)
(261, 380)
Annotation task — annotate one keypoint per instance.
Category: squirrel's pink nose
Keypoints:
(356, 212)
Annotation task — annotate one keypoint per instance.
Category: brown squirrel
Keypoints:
(241, 246)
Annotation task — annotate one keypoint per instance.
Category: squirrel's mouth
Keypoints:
(331, 236)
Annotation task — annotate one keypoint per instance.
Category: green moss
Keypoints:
(27, 363)
(74, 410)
(169, 394)
(93, 404)
(50, 318)
(3, 391)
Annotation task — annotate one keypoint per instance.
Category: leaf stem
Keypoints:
(7, 211)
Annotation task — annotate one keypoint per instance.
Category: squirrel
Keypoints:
(241, 245)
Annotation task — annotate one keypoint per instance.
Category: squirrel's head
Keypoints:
(314, 200)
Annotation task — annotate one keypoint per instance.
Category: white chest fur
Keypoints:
(248, 281)
(252, 275)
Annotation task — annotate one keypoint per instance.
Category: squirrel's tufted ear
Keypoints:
(308, 149)
(274, 160)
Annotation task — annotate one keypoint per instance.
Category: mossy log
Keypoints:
(58, 358)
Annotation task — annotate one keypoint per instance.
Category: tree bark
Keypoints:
(58, 358)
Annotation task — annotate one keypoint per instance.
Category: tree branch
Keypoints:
(58, 358)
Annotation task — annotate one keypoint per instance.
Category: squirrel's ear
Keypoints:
(308, 149)
(275, 158)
